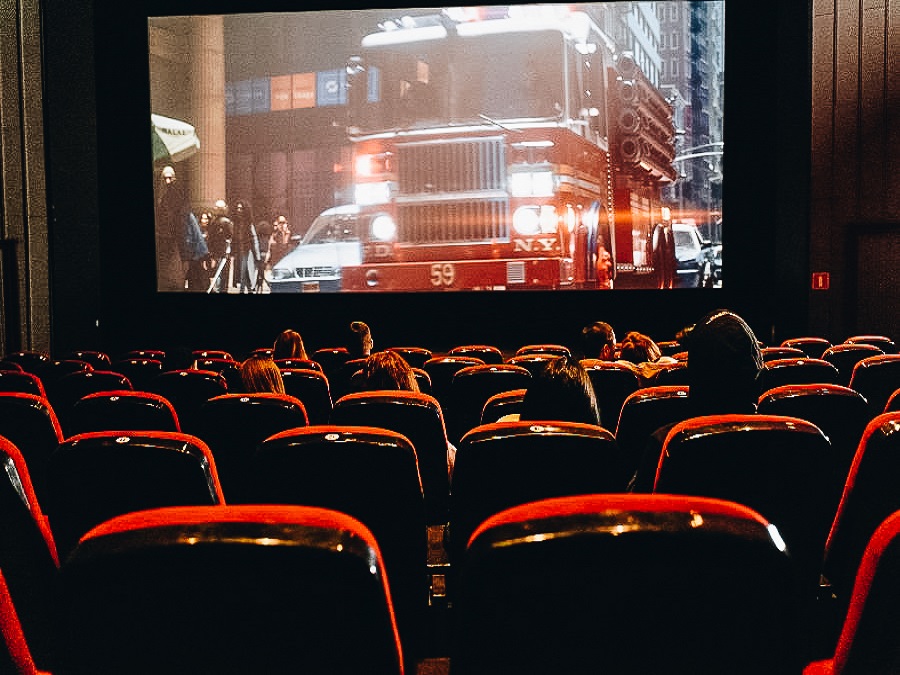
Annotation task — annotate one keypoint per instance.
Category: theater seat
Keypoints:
(613, 382)
(487, 353)
(97, 476)
(844, 357)
(797, 371)
(230, 590)
(876, 378)
(611, 583)
(883, 342)
(545, 348)
(868, 640)
(22, 382)
(414, 356)
(441, 370)
(16, 657)
(781, 467)
(187, 390)
(312, 388)
(814, 346)
(533, 362)
(123, 410)
(70, 388)
(30, 424)
(504, 403)
(643, 412)
(139, 371)
(472, 387)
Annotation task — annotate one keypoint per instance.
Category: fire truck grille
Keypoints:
(454, 222)
(474, 164)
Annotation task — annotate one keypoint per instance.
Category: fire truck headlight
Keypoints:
(372, 193)
(384, 228)
(527, 220)
(531, 184)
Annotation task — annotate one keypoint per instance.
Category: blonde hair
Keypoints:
(260, 374)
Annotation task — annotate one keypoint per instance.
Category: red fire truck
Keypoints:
(506, 148)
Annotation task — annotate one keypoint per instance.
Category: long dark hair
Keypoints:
(561, 391)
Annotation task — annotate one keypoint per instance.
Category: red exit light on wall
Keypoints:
(821, 281)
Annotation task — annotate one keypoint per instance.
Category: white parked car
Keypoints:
(694, 257)
(315, 264)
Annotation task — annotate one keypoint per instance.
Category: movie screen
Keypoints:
(500, 148)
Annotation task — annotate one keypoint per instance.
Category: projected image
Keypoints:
(501, 148)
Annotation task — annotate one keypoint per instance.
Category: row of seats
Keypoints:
(620, 583)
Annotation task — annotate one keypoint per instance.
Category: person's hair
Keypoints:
(595, 337)
(289, 345)
(359, 340)
(388, 370)
(261, 374)
(724, 361)
(561, 391)
(639, 348)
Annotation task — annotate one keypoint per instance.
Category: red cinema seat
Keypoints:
(123, 410)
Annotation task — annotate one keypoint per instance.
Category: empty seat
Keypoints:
(31, 361)
(299, 364)
(16, 657)
(558, 350)
(472, 387)
(28, 556)
(772, 353)
(70, 388)
(876, 378)
(98, 360)
(643, 412)
(30, 424)
(814, 346)
(487, 353)
(187, 390)
(212, 354)
(675, 374)
(94, 477)
(414, 356)
(840, 412)
(21, 382)
(781, 467)
(441, 370)
(423, 380)
(626, 584)
(509, 463)
(153, 354)
(613, 382)
(417, 416)
(871, 493)
(533, 362)
(797, 371)
(844, 357)
(10, 366)
(369, 473)
(227, 368)
(504, 403)
(233, 426)
(867, 642)
(140, 372)
(893, 402)
(883, 342)
(311, 387)
(54, 370)
(228, 590)
(341, 380)
(331, 358)
(124, 411)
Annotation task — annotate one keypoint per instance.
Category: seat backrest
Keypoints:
(509, 463)
(94, 477)
(31, 361)
(233, 426)
(871, 493)
(22, 382)
(486, 353)
(228, 589)
(331, 358)
(414, 356)
(57, 368)
(624, 584)
(311, 387)
(124, 411)
(70, 388)
(674, 374)
(876, 378)
(299, 364)
(813, 346)
(153, 354)
(417, 416)
(844, 357)
(441, 370)
(840, 412)
(504, 403)
(533, 362)
(6, 366)
(867, 642)
(883, 342)
(200, 354)
(893, 402)
(613, 383)
(369, 473)
(97, 359)
(187, 390)
(643, 412)
(797, 371)
(28, 556)
(139, 372)
(772, 353)
(472, 387)
(30, 424)
(778, 466)
(341, 380)
(558, 350)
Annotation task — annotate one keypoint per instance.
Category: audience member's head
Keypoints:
(639, 348)
(561, 391)
(599, 341)
(359, 340)
(289, 345)
(261, 374)
(724, 361)
(388, 370)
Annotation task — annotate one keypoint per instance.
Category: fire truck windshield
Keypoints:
(463, 80)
